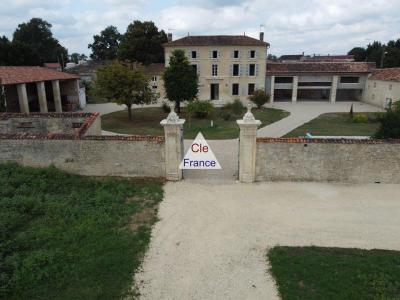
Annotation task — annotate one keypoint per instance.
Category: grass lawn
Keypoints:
(146, 121)
(337, 124)
(72, 237)
(335, 273)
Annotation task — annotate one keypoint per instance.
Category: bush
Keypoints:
(226, 115)
(237, 107)
(165, 107)
(390, 123)
(360, 118)
(259, 98)
(200, 109)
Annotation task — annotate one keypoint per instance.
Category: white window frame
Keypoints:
(255, 54)
(248, 90)
(214, 70)
(212, 54)
(233, 54)
(191, 54)
(154, 78)
(254, 74)
(233, 68)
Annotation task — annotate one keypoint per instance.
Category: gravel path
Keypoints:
(211, 240)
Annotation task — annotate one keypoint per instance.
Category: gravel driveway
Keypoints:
(211, 240)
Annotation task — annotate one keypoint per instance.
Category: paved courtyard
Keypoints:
(211, 240)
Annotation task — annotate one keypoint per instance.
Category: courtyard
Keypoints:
(221, 251)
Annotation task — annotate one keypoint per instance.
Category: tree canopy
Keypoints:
(180, 79)
(123, 83)
(105, 45)
(32, 44)
(386, 56)
(142, 42)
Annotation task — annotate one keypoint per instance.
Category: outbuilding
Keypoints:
(38, 89)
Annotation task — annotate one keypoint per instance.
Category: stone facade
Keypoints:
(347, 161)
(380, 93)
(246, 71)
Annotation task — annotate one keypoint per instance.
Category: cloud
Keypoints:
(323, 26)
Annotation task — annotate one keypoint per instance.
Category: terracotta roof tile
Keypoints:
(217, 40)
(319, 67)
(391, 74)
(15, 75)
(154, 69)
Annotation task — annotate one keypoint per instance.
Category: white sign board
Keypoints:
(200, 156)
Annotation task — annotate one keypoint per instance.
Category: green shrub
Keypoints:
(259, 98)
(226, 115)
(165, 107)
(200, 109)
(237, 107)
(390, 123)
(360, 118)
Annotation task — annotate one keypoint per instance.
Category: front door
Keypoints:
(214, 91)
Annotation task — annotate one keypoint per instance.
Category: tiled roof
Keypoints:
(89, 66)
(217, 40)
(392, 74)
(333, 58)
(319, 67)
(15, 75)
(154, 69)
(291, 57)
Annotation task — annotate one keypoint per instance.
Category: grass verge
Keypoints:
(146, 121)
(337, 124)
(335, 273)
(65, 236)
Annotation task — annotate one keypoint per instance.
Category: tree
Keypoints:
(142, 42)
(123, 84)
(180, 79)
(5, 47)
(360, 54)
(390, 123)
(105, 45)
(272, 57)
(74, 57)
(259, 98)
(33, 44)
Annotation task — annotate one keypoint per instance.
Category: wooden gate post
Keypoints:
(173, 129)
(248, 146)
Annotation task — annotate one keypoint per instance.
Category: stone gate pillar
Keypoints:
(173, 129)
(248, 146)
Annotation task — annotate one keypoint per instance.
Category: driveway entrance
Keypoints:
(226, 152)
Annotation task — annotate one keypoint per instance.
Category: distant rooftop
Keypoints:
(15, 75)
(154, 69)
(390, 74)
(319, 67)
(217, 40)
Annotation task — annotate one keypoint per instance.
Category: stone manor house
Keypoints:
(232, 67)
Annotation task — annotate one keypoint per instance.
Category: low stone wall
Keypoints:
(128, 156)
(349, 161)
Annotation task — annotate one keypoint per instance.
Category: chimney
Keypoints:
(169, 37)
(262, 36)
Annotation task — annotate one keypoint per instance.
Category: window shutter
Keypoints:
(231, 70)
(240, 54)
(247, 70)
(210, 53)
(241, 70)
(198, 69)
(198, 54)
(256, 54)
(233, 54)
(218, 54)
(257, 70)
(248, 54)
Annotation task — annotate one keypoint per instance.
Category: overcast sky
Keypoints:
(291, 26)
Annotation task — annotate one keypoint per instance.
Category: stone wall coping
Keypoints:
(326, 141)
(89, 118)
(54, 136)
